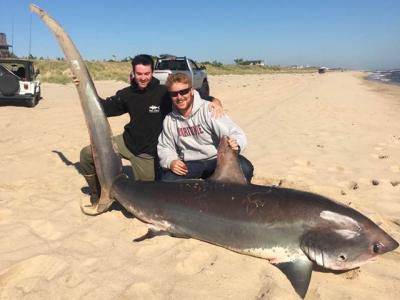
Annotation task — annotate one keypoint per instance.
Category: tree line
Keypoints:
(215, 63)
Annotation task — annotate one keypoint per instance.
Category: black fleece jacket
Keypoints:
(146, 108)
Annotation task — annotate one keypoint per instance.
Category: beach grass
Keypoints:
(57, 71)
(253, 69)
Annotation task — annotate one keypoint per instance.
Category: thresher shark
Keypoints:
(292, 229)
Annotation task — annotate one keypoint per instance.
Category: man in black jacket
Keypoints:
(147, 102)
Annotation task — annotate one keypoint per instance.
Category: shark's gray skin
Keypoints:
(291, 229)
(104, 154)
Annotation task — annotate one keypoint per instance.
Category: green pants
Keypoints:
(142, 166)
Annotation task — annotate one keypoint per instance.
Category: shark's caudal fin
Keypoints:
(228, 168)
(108, 163)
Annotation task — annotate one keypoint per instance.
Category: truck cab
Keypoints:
(165, 66)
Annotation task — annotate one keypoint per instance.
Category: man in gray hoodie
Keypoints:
(187, 146)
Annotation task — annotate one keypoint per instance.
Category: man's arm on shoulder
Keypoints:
(215, 107)
(225, 126)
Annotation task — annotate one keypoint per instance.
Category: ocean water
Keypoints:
(392, 76)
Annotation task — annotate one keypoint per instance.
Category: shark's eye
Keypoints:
(377, 247)
(342, 257)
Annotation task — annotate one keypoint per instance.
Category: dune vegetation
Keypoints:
(57, 71)
(251, 69)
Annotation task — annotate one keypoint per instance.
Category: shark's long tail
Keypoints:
(107, 161)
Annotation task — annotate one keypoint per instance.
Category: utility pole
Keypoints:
(12, 37)
(30, 36)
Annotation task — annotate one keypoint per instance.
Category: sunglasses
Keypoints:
(181, 92)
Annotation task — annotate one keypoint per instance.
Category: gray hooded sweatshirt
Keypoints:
(197, 136)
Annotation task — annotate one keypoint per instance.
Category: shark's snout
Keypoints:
(389, 245)
(383, 243)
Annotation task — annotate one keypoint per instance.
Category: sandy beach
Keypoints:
(335, 134)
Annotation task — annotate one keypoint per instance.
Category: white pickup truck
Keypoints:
(169, 65)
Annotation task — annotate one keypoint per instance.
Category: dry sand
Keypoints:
(332, 134)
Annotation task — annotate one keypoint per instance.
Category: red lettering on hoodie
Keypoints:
(190, 130)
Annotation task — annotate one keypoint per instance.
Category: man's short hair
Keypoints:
(178, 78)
(143, 59)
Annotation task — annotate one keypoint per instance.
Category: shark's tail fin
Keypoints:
(108, 163)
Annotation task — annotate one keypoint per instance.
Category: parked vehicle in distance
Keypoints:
(322, 70)
(18, 81)
(171, 64)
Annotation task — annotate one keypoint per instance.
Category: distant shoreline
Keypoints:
(387, 77)
(391, 89)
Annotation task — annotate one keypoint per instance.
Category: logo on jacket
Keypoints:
(154, 109)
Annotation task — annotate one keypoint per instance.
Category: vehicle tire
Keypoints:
(38, 96)
(9, 85)
(205, 89)
(32, 101)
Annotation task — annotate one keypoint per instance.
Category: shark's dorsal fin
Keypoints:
(299, 274)
(228, 168)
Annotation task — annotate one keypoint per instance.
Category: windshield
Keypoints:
(174, 65)
(17, 68)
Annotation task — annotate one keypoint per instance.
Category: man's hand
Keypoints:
(178, 167)
(75, 81)
(233, 144)
(216, 109)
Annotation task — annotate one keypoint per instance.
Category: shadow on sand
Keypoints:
(115, 206)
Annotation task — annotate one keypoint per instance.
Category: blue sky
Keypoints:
(354, 34)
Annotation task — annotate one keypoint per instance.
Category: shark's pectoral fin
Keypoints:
(153, 232)
(299, 273)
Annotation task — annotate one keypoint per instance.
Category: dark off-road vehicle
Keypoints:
(18, 81)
